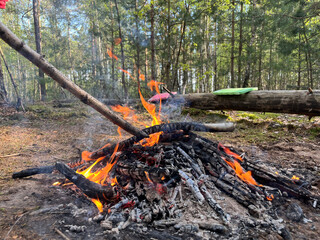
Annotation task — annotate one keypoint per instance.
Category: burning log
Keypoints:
(89, 188)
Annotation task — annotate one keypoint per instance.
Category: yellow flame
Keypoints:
(98, 204)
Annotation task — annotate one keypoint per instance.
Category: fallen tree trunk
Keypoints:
(295, 102)
(13, 41)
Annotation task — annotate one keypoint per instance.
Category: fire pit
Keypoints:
(183, 181)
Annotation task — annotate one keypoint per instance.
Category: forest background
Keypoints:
(191, 46)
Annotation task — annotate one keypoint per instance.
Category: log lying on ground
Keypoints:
(33, 171)
(13, 41)
(294, 102)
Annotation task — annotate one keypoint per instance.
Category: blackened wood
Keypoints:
(17, 44)
(166, 128)
(278, 101)
(89, 188)
(137, 171)
(33, 171)
(213, 203)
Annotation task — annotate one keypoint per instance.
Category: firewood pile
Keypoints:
(185, 183)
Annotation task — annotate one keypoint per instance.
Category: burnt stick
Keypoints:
(33, 171)
(89, 188)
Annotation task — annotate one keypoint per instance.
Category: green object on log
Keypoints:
(234, 91)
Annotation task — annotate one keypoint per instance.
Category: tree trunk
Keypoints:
(124, 85)
(299, 64)
(168, 63)
(3, 91)
(215, 64)
(240, 45)
(153, 52)
(249, 61)
(19, 101)
(56, 75)
(232, 46)
(137, 46)
(175, 78)
(294, 102)
(37, 34)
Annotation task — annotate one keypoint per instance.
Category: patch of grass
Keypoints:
(314, 133)
(205, 115)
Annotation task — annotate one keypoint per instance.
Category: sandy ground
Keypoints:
(34, 209)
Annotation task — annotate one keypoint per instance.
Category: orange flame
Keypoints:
(111, 55)
(242, 174)
(117, 41)
(101, 176)
(270, 198)
(56, 183)
(229, 152)
(147, 175)
(141, 76)
(151, 109)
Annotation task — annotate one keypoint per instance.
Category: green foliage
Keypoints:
(192, 42)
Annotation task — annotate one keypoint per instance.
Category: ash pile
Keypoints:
(184, 184)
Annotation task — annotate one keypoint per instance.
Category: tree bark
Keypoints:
(124, 85)
(37, 34)
(232, 47)
(249, 61)
(3, 91)
(293, 102)
(19, 101)
(153, 52)
(240, 45)
(56, 75)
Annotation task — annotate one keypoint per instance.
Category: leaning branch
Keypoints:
(13, 41)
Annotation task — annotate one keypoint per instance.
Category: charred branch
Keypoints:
(166, 128)
(33, 171)
(89, 188)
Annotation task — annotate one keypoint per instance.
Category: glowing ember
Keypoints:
(147, 175)
(294, 177)
(56, 183)
(270, 198)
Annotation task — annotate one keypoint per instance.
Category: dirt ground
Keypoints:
(32, 208)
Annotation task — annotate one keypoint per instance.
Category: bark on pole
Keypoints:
(13, 41)
(294, 102)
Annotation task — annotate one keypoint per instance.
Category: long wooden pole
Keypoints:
(13, 41)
